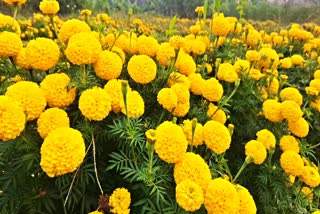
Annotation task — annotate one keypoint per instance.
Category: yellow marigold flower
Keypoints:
(308, 193)
(165, 53)
(167, 98)
(256, 150)
(286, 63)
(147, 45)
(310, 176)
(290, 110)
(96, 212)
(10, 23)
(291, 93)
(95, 103)
(316, 103)
(189, 195)
(216, 136)
(297, 59)
(86, 12)
(198, 46)
(316, 74)
(217, 114)
(291, 163)
(192, 167)
(198, 133)
(315, 83)
(267, 138)
(271, 110)
(185, 63)
(255, 74)
(49, 7)
(199, 9)
(15, 2)
(212, 90)
(269, 58)
(177, 42)
(227, 72)
(299, 128)
(182, 92)
(176, 77)
(113, 88)
(126, 41)
(62, 151)
(71, 27)
(171, 143)
(221, 197)
(12, 118)
(181, 110)
(120, 53)
(316, 212)
(195, 29)
(242, 66)
(55, 88)
(151, 136)
(142, 69)
(220, 25)
(30, 96)
(51, 119)
(135, 104)
(272, 85)
(253, 38)
(42, 53)
(252, 55)
(108, 66)
(83, 48)
(277, 40)
(119, 201)
(20, 59)
(288, 142)
(10, 44)
(196, 82)
(247, 204)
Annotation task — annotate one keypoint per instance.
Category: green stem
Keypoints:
(83, 73)
(151, 160)
(224, 162)
(314, 146)
(15, 10)
(95, 163)
(240, 171)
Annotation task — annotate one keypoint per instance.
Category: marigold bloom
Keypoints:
(181, 110)
(30, 96)
(247, 204)
(267, 138)
(171, 143)
(12, 118)
(185, 63)
(119, 201)
(299, 128)
(9, 23)
(256, 150)
(192, 167)
(217, 114)
(291, 163)
(10, 44)
(167, 98)
(198, 46)
(95, 103)
(83, 48)
(227, 72)
(220, 25)
(291, 93)
(310, 176)
(288, 142)
(290, 110)
(182, 92)
(147, 45)
(269, 58)
(241, 66)
(15, 2)
(285, 63)
(189, 195)
(316, 74)
(142, 69)
(253, 38)
(297, 59)
(20, 59)
(176, 77)
(96, 212)
(113, 88)
(51, 119)
(252, 55)
(165, 53)
(271, 110)
(55, 88)
(216, 136)
(196, 82)
(198, 133)
(71, 27)
(221, 197)
(108, 66)
(49, 7)
(135, 104)
(212, 90)
(315, 83)
(42, 53)
(62, 151)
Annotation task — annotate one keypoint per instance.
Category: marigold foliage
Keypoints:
(62, 151)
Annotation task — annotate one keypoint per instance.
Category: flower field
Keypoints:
(213, 115)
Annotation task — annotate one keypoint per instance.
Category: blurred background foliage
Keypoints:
(259, 10)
